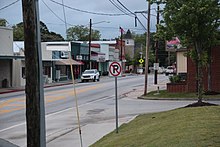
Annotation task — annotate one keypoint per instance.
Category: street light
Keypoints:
(90, 38)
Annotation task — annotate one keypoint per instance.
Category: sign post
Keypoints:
(115, 70)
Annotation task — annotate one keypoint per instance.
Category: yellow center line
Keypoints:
(48, 98)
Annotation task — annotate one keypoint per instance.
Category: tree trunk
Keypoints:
(200, 71)
(209, 71)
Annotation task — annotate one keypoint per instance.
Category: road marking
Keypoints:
(48, 98)
(14, 126)
(58, 112)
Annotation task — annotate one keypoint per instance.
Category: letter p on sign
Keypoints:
(115, 69)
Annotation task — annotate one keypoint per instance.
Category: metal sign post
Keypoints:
(116, 103)
(115, 70)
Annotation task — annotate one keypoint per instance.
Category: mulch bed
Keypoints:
(200, 104)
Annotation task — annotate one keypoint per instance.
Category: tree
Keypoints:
(18, 32)
(3, 22)
(196, 23)
(46, 35)
(81, 33)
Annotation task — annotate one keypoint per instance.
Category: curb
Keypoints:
(178, 99)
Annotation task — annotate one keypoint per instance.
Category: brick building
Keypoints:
(190, 85)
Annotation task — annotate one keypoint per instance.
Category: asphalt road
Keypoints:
(96, 104)
(12, 108)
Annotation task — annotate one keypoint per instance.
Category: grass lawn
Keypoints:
(164, 94)
(184, 127)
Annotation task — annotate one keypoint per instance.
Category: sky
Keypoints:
(52, 14)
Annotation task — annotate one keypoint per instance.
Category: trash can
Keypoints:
(4, 83)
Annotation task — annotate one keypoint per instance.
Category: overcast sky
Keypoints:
(55, 22)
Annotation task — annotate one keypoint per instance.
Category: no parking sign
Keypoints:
(115, 69)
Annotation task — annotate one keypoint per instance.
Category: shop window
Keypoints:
(47, 71)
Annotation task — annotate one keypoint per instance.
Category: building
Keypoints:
(7, 57)
(187, 68)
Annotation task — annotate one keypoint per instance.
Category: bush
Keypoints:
(175, 79)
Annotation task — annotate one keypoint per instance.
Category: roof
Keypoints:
(128, 35)
(68, 62)
(11, 57)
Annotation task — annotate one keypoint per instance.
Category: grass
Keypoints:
(164, 94)
(184, 127)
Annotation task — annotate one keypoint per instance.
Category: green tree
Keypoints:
(196, 23)
(81, 33)
(18, 32)
(3, 22)
(46, 35)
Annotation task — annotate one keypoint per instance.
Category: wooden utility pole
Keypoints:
(90, 38)
(147, 48)
(35, 113)
(157, 45)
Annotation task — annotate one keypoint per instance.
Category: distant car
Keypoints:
(169, 70)
(161, 70)
(91, 74)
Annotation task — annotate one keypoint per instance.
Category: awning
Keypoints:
(67, 62)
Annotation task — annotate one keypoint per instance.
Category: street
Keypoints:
(96, 106)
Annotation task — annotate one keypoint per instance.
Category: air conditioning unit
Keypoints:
(64, 54)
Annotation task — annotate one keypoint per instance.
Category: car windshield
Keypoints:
(89, 71)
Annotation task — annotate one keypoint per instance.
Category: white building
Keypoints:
(6, 56)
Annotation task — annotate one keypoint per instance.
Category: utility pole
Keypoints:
(121, 43)
(90, 38)
(157, 45)
(147, 48)
(35, 113)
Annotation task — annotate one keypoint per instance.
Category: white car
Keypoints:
(91, 74)
(169, 70)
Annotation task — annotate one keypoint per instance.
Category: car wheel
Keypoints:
(82, 81)
(94, 79)
(98, 79)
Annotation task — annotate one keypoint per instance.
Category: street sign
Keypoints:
(156, 66)
(141, 60)
(115, 69)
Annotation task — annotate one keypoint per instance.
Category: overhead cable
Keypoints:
(84, 11)
(125, 7)
(119, 8)
(9, 5)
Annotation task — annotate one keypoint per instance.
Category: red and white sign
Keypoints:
(115, 69)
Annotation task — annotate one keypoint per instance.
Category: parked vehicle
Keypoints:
(91, 74)
(161, 70)
(169, 70)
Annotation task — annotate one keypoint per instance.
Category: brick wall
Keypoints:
(215, 73)
(176, 87)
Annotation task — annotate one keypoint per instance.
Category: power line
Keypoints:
(9, 5)
(64, 14)
(125, 7)
(84, 11)
(118, 7)
(53, 11)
